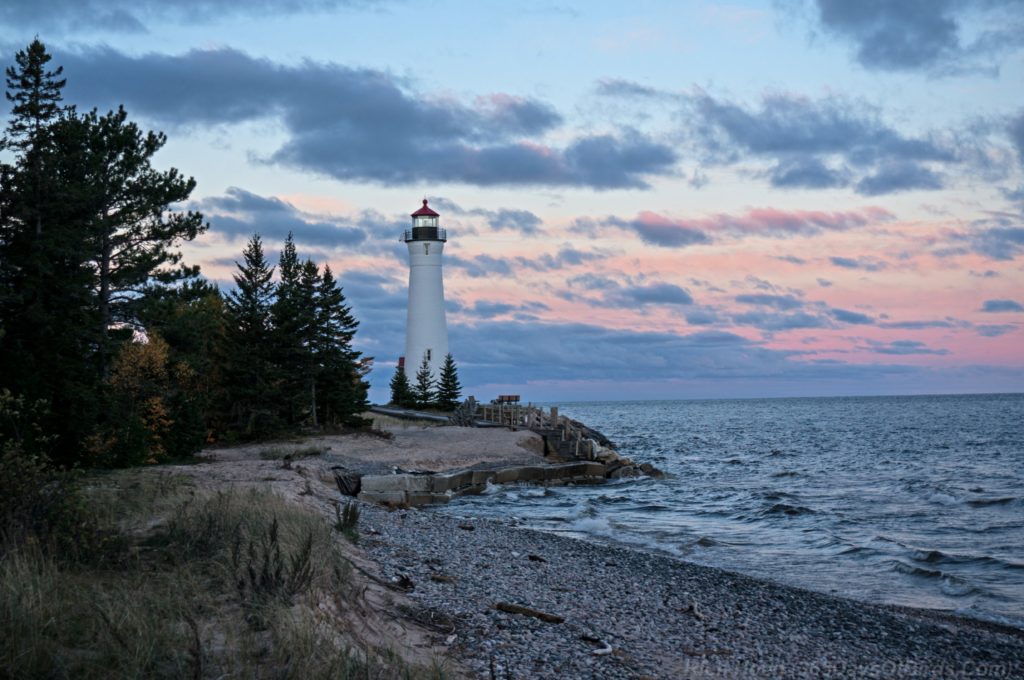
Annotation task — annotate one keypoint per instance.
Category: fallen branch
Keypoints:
(526, 611)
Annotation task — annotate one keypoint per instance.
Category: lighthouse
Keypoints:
(426, 331)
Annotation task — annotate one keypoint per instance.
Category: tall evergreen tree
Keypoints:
(424, 390)
(46, 311)
(342, 391)
(134, 234)
(449, 390)
(293, 314)
(251, 374)
(35, 95)
(401, 390)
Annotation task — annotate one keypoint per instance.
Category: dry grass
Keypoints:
(238, 584)
(384, 423)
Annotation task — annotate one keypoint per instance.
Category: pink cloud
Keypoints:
(664, 231)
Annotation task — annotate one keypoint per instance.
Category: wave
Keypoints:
(787, 509)
(984, 502)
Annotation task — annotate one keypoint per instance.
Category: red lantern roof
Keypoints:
(425, 211)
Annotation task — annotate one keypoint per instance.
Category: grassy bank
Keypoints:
(169, 582)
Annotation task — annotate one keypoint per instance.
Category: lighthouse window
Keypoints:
(426, 249)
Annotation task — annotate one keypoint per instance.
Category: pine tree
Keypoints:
(341, 389)
(36, 96)
(252, 376)
(134, 233)
(46, 310)
(293, 315)
(449, 391)
(401, 390)
(424, 392)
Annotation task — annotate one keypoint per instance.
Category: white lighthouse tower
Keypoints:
(426, 332)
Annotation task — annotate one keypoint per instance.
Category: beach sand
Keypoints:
(624, 613)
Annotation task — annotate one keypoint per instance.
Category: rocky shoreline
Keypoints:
(502, 601)
(614, 612)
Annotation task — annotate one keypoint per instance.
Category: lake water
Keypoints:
(915, 501)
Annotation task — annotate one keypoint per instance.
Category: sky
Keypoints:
(644, 200)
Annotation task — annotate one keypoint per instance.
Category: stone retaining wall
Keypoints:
(424, 489)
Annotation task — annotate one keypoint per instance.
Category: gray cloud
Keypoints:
(901, 347)
(994, 330)
(998, 243)
(918, 325)
(662, 231)
(870, 264)
(911, 35)
(777, 321)
(132, 16)
(807, 173)
(509, 219)
(618, 87)
(363, 124)
(818, 144)
(480, 266)
(846, 316)
(653, 294)
(899, 176)
(779, 302)
(1016, 132)
(1002, 306)
(567, 256)
(240, 213)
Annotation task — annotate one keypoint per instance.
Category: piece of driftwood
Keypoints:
(526, 611)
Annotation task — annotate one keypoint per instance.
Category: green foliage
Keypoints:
(401, 390)
(40, 505)
(35, 94)
(341, 389)
(90, 263)
(346, 519)
(424, 392)
(449, 390)
(252, 373)
(85, 226)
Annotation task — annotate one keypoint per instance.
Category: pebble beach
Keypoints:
(618, 613)
(495, 599)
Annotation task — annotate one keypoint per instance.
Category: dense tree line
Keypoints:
(120, 352)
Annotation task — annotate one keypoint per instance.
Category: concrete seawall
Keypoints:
(425, 489)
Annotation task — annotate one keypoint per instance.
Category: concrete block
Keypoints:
(451, 481)
(481, 477)
(418, 498)
(384, 497)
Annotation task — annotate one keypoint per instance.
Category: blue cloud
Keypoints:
(818, 144)
(780, 302)
(899, 176)
(365, 125)
(240, 213)
(1002, 306)
(902, 347)
(846, 316)
(908, 35)
(653, 294)
(866, 263)
(994, 330)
